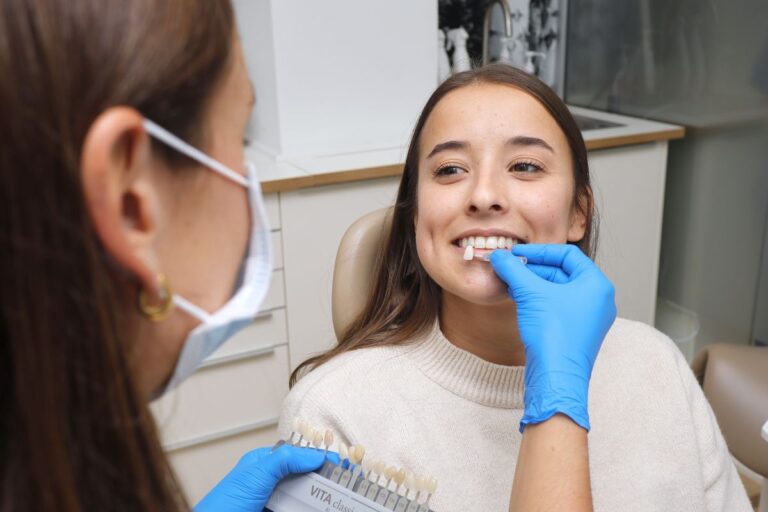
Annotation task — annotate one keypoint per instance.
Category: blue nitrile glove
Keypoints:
(249, 485)
(565, 306)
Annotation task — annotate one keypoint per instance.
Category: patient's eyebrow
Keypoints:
(445, 146)
(525, 140)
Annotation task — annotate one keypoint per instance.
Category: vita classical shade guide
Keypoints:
(360, 483)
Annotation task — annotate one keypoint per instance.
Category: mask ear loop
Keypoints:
(192, 152)
(159, 312)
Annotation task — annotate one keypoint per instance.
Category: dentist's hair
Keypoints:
(404, 301)
(75, 434)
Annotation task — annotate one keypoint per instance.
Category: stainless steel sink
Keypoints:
(590, 123)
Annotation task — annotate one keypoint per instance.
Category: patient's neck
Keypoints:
(489, 332)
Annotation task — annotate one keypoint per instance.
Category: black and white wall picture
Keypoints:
(528, 34)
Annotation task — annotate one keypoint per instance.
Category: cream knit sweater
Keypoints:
(436, 409)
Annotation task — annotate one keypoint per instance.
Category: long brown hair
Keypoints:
(75, 434)
(404, 301)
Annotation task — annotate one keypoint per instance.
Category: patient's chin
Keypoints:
(485, 294)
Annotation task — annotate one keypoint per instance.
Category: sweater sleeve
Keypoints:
(723, 490)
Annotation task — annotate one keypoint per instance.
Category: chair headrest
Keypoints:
(353, 272)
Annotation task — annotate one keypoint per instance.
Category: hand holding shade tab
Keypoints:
(565, 306)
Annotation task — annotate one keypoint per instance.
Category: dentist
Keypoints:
(133, 243)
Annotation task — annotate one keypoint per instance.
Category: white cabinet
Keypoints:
(628, 183)
(314, 220)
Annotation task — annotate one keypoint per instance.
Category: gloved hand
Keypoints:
(249, 485)
(565, 306)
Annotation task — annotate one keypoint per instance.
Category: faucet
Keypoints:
(487, 24)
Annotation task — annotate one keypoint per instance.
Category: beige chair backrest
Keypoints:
(735, 381)
(353, 272)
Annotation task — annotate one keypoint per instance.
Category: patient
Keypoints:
(430, 375)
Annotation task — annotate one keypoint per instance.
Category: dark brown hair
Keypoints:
(75, 434)
(404, 301)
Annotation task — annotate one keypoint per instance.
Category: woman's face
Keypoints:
(208, 231)
(492, 163)
(205, 225)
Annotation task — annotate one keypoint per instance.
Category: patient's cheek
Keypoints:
(548, 218)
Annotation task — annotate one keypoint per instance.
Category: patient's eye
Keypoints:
(526, 167)
(448, 170)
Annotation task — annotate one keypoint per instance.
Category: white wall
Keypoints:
(338, 76)
(254, 19)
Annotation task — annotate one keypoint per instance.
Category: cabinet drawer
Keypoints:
(267, 331)
(275, 297)
(201, 467)
(277, 250)
(272, 206)
(222, 398)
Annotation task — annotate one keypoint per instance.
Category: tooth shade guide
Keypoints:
(360, 453)
(398, 491)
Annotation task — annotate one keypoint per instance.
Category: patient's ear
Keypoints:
(579, 215)
(116, 169)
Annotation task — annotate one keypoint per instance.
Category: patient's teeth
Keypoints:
(463, 242)
(480, 242)
(471, 240)
(469, 253)
(491, 242)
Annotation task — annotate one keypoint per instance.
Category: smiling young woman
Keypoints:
(431, 375)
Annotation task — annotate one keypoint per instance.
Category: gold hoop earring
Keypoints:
(159, 312)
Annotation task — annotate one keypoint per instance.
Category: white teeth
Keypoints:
(489, 242)
(469, 253)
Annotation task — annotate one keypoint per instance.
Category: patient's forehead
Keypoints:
(488, 113)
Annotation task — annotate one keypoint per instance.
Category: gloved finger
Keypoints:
(512, 271)
(333, 457)
(566, 256)
(551, 274)
(254, 456)
(289, 459)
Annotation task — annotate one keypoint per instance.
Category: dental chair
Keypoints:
(353, 271)
(735, 381)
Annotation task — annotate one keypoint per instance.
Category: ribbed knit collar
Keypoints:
(466, 375)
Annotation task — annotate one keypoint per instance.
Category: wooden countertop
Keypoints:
(298, 173)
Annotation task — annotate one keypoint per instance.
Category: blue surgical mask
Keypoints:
(254, 275)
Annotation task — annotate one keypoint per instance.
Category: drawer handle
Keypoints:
(221, 434)
(256, 352)
(267, 313)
